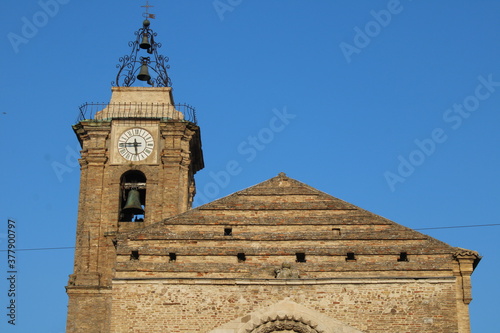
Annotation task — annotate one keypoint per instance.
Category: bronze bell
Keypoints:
(133, 204)
(145, 42)
(144, 73)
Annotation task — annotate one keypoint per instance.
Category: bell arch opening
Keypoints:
(132, 205)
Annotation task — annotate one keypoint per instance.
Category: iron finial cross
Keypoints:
(147, 14)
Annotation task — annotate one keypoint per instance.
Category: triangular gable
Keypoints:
(285, 201)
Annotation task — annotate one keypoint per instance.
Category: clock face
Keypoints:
(136, 144)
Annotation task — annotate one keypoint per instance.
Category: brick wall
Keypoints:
(426, 305)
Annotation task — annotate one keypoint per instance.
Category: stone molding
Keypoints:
(285, 315)
(463, 253)
(282, 323)
(326, 281)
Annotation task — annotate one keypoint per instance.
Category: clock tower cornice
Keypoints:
(92, 131)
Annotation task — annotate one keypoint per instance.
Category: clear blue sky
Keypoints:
(392, 105)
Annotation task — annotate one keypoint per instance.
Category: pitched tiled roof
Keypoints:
(282, 201)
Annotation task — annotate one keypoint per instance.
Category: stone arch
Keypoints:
(285, 324)
(132, 180)
(285, 316)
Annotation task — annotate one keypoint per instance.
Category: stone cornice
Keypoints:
(466, 254)
(319, 281)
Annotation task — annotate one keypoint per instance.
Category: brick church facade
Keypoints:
(279, 256)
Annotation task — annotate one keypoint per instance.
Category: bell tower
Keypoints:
(139, 155)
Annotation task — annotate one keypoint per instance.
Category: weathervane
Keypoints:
(130, 65)
(147, 15)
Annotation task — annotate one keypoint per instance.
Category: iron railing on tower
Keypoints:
(109, 111)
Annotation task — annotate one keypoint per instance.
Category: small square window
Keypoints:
(300, 257)
(350, 256)
(228, 231)
(172, 257)
(403, 256)
(336, 231)
(241, 257)
(134, 255)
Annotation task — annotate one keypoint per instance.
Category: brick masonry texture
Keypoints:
(207, 286)
(381, 307)
(279, 256)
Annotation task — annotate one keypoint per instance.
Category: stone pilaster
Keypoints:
(89, 286)
(463, 268)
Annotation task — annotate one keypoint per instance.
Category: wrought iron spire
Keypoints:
(136, 66)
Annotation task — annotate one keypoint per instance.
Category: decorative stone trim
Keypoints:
(285, 316)
(282, 323)
(467, 260)
(463, 253)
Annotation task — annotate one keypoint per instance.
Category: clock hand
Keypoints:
(135, 145)
(126, 144)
